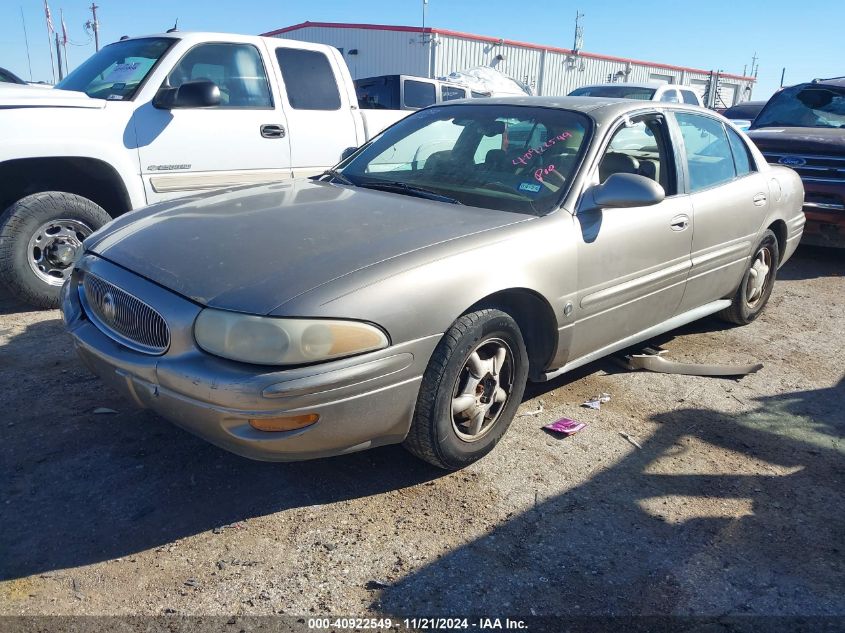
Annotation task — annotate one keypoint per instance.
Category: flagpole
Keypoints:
(26, 40)
(49, 43)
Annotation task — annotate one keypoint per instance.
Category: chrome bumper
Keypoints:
(363, 402)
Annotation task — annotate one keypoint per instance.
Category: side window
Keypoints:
(742, 158)
(643, 149)
(309, 80)
(447, 93)
(710, 160)
(237, 70)
(419, 94)
(670, 96)
(689, 97)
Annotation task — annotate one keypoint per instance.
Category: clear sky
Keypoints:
(806, 37)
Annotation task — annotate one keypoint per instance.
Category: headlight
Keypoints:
(280, 341)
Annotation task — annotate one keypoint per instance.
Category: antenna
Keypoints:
(175, 27)
(579, 32)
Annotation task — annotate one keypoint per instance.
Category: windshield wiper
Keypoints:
(334, 173)
(411, 190)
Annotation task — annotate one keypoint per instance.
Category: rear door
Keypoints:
(186, 150)
(319, 109)
(729, 200)
(633, 262)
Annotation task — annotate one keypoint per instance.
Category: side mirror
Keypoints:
(200, 93)
(622, 191)
(347, 153)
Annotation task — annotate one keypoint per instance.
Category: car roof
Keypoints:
(839, 82)
(602, 109)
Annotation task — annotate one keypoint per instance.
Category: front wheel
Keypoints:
(757, 283)
(40, 239)
(470, 391)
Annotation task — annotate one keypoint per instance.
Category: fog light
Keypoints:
(284, 423)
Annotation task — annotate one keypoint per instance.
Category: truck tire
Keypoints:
(40, 238)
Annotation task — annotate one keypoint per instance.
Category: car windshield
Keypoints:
(615, 92)
(117, 71)
(806, 105)
(510, 158)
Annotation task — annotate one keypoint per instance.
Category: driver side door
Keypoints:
(632, 262)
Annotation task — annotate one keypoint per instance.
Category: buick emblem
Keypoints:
(793, 161)
(109, 309)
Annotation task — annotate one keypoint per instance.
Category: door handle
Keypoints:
(679, 223)
(273, 130)
(760, 199)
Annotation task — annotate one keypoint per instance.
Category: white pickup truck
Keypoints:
(152, 118)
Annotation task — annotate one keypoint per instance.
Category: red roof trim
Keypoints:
(485, 38)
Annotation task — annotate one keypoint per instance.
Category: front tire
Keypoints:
(470, 391)
(40, 238)
(757, 283)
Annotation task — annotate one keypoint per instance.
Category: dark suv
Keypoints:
(803, 127)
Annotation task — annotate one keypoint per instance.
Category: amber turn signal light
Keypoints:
(284, 423)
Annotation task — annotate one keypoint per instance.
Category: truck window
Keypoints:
(419, 94)
(237, 70)
(380, 93)
(670, 96)
(689, 97)
(309, 79)
(447, 93)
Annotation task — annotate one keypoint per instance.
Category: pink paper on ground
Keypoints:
(565, 426)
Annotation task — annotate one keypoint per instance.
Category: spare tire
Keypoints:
(40, 239)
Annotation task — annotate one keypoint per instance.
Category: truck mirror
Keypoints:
(199, 93)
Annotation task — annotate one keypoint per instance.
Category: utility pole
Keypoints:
(754, 65)
(579, 32)
(94, 26)
(59, 57)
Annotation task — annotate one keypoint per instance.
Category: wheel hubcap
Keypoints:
(54, 247)
(758, 276)
(482, 389)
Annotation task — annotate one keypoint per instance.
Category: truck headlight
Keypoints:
(283, 341)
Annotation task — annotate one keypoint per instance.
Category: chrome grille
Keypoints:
(811, 168)
(123, 317)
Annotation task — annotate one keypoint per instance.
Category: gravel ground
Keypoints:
(733, 504)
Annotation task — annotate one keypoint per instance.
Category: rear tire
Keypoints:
(470, 391)
(757, 283)
(40, 238)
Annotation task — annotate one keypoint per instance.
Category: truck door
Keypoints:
(319, 112)
(243, 140)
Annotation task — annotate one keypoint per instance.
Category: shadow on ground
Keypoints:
(769, 540)
(80, 487)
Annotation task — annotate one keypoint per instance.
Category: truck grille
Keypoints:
(123, 317)
(811, 168)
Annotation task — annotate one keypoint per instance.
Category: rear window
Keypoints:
(419, 94)
(381, 93)
(615, 92)
(690, 97)
(309, 80)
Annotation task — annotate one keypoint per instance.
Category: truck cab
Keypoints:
(149, 119)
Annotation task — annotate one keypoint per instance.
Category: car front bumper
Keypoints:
(363, 401)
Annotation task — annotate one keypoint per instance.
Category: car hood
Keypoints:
(799, 140)
(251, 249)
(17, 96)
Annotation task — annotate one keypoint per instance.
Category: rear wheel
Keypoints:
(757, 283)
(470, 391)
(40, 239)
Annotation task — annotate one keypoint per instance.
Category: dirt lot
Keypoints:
(735, 503)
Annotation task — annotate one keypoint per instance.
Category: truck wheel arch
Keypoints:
(90, 178)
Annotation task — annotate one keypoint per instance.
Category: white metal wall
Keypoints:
(379, 52)
(548, 72)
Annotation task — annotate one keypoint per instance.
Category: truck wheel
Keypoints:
(40, 238)
(757, 283)
(470, 391)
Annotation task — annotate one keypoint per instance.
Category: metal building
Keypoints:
(373, 49)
